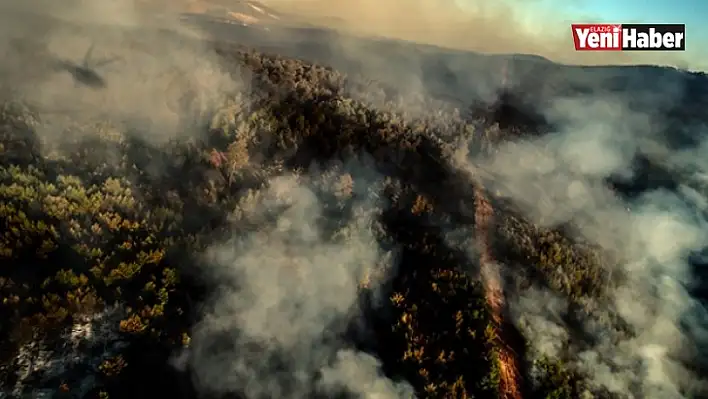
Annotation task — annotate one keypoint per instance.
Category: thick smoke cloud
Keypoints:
(289, 290)
(560, 179)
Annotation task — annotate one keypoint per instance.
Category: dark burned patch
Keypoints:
(513, 113)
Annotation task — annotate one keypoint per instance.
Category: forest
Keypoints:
(116, 249)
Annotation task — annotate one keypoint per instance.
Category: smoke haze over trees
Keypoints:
(276, 210)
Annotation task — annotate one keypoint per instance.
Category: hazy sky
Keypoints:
(693, 13)
(539, 27)
(690, 12)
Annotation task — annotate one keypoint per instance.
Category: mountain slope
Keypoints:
(279, 228)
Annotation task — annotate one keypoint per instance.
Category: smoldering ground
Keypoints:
(658, 336)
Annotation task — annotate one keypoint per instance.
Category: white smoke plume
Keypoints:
(559, 179)
(289, 287)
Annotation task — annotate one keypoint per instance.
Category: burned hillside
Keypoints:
(315, 233)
